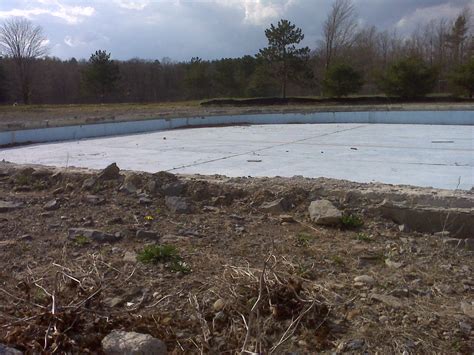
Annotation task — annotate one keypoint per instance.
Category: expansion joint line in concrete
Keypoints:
(265, 148)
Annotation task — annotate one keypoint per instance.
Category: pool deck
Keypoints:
(440, 156)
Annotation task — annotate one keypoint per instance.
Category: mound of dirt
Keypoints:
(87, 254)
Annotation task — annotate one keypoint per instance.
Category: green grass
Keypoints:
(352, 221)
(363, 238)
(337, 260)
(303, 239)
(81, 240)
(165, 254)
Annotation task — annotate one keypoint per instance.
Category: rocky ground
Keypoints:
(97, 262)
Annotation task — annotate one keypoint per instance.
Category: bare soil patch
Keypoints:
(244, 268)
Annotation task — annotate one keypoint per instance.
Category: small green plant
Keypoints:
(81, 240)
(40, 297)
(352, 221)
(180, 266)
(303, 239)
(337, 260)
(363, 238)
(167, 254)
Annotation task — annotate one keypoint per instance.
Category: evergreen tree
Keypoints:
(285, 60)
(456, 39)
(198, 80)
(463, 78)
(342, 80)
(408, 78)
(101, 75)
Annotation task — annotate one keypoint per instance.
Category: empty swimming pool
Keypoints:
(420, 155)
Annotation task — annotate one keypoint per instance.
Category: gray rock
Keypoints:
(129, 188)
(151, 186)
(355, 344)
(144, 234)
(92, 234)
(277, 206)
(89, 183)
(164, 177)
(6, 206)
(400, 292)
(465, 327)
(173, 189)
(131, 343)
(144, 201)
(130, 257)
(468, 309)
(95, 200)
(5, 350)
(26, 238)
(388, 300)
(51, 205)
(111, 172)
(364, 279)
(393, 264)
(323, 212)
(114, 302)
(134, 179)
(177, 204)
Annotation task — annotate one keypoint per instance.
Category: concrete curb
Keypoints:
(52, 134)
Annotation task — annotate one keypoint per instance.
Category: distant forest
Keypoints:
(349, 59)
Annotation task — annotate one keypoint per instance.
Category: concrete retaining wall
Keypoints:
(41, 135)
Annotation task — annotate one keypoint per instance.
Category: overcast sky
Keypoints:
(181, 29)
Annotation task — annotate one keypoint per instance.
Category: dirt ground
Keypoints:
(243, 268)
(23, 117)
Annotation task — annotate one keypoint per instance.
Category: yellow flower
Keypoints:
(149, 218)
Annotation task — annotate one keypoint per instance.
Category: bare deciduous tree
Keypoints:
(23, 42)
(339, 29)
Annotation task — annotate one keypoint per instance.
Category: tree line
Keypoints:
(349, 59)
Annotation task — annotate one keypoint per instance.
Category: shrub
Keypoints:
(352, 221)
(463, 78)
(342, 80)
(408, 78)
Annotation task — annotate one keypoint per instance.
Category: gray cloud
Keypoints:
(181, 29)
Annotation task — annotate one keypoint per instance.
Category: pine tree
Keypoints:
(101, 75)
(284, 58)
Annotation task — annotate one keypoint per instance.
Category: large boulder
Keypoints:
(131, 343)
(324, 212)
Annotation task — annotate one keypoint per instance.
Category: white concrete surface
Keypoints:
(40, 135)
(421, 155)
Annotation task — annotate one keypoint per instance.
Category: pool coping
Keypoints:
(117, 128)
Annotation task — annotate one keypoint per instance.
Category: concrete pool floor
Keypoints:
(420, 155)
